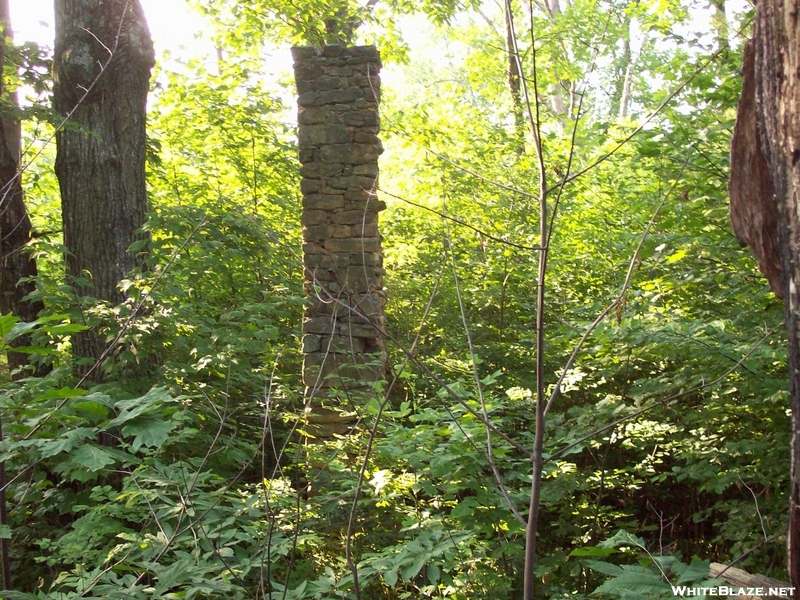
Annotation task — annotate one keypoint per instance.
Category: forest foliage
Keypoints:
(667, 449)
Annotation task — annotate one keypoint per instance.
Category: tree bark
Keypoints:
(625, 82)
(754, 212)
(102, 62)
(739, 578)
(777, 69)
(15, 226)
(515, 84)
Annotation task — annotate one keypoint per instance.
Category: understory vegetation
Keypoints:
(187, 471)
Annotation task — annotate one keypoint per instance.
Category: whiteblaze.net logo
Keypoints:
(726, 591)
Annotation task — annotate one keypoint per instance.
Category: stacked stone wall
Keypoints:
(338, 124)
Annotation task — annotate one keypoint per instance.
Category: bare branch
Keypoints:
(462, 223)
(489, 449)
(699, 69)
(351, 522)
(625, 284)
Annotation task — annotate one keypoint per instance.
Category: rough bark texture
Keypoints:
(15, 226)
(754, 212)
(102, 62)
(344, 355)
(776, 68)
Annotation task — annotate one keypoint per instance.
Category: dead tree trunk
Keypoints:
(777, 71)
(742, 579)
(102, 62)
(15, 226)
(774, 79)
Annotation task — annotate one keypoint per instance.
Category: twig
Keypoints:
(538, 444)
(626, 283)
(489, 449)
(460, 222)
(128, 323)
(699, 69)
(758, 511)
(370, 442)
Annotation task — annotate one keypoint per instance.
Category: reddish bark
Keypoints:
(776, 72)
(754, 212)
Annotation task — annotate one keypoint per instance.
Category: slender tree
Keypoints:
(18, 267)
(102, 63)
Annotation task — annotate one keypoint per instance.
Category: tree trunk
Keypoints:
(719, 22)
(102, 62)
(628, 62)
(777, 72)
(15, 226)
(622, 93)
(515, 84)
(739, 578)
(754, 212)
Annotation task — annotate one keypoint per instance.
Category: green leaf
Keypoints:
(98, 410)
(132, 408)
(603, 567)
(300, 590)
(37, 350)
(465, 508)
(7, 323)
(638, 581)
(67, 442)
(93, 457)
(172, 575)
(19, 330)
(60, 393)
(148, 432)
(622, 538)
(696, 571)
(373, 406)
(390, 577)
(676, 256)
(412, 570)
(66, 328)
(593, 551)
(433, 573)
(138, 245)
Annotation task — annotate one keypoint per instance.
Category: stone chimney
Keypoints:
(343, 353)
